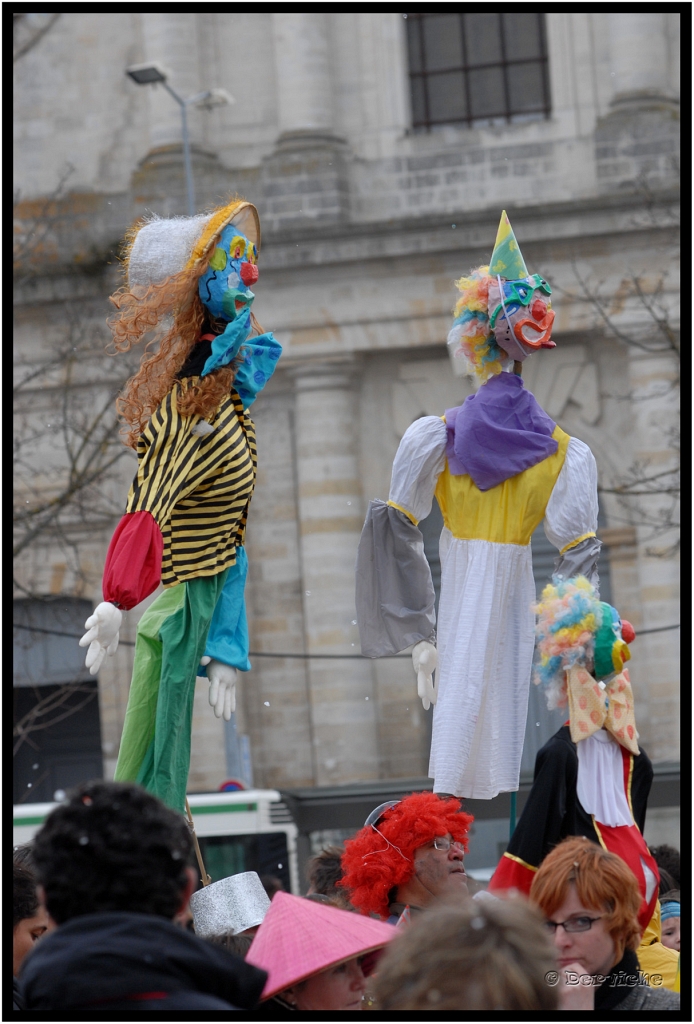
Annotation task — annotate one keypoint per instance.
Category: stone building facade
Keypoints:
(368, 218)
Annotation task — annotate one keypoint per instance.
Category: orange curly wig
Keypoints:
(170, 315)
(414, 822)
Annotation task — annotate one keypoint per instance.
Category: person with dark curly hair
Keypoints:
(24, 855)
(408, 856)
(30, 920)
(115, 867)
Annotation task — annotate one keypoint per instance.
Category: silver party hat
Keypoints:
(231, 905)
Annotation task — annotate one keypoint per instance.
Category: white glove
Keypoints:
(424, 661)
(222, 687)
(102, 634)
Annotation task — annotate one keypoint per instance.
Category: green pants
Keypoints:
(171, 638)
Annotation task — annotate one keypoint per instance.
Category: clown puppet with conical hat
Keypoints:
(185, 412)
(498, 466)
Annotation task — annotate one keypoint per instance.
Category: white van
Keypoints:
(243, 830)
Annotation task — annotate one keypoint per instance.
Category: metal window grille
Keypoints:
(477, 69)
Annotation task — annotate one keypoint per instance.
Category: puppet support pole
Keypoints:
(512, 816)
(204, 877)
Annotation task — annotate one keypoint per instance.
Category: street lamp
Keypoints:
(154, 74)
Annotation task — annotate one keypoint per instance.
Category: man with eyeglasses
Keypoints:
(439, 877)
(590, 900)
(408, 856)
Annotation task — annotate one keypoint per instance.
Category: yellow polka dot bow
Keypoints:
(593, 705)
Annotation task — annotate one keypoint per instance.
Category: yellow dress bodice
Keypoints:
(507, 513)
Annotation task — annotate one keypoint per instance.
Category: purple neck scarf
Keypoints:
(498, 432)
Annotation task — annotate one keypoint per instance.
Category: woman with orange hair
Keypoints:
(409, 854)
(185, 412)
(591, 900)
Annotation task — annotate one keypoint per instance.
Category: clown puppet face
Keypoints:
(224, 288)
(520, 315)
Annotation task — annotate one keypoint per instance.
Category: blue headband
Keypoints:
(670, 908)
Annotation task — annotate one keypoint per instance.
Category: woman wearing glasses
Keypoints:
(590, 900)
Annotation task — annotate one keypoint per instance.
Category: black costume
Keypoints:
(553, 812)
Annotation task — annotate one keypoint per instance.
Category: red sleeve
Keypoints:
(133, 563)
(512, 873)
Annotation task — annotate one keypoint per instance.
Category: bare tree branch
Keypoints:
(30, 235)
(66, 440)
(37, 718)
(648, 495)
(36, 36)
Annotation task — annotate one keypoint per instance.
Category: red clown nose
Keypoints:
(628, 632)
(249, 274)
(538, 309)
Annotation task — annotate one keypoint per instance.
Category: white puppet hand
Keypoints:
(102, 634)
(222, 687)
(424, 661)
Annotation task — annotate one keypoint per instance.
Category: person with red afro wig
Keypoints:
(412, 854)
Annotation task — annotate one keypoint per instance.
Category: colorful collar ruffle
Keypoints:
(259, 357)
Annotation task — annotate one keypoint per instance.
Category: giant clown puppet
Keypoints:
(498, 466)
(186, 414)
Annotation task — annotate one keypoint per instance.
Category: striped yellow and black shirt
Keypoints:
(197, 488)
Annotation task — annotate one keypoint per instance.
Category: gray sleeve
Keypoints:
(394, 594)
(581, 560)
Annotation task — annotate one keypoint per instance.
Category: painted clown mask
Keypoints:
(224, 288)
(603, 698)
(519, 306)
(520, 315)
(611, 643)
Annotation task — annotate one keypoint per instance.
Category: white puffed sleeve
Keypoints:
(419, 462)
(572, 511)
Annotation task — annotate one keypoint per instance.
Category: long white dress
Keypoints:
(486, 622)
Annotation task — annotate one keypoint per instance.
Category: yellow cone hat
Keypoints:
(507, 260)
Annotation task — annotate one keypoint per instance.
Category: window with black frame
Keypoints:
(477, 69)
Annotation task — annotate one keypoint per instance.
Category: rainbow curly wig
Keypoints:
(569, 614)
(471, 331)
(372, 866)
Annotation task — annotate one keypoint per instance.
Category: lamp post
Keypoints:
(154, 74)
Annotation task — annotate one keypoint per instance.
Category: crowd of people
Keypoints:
(103, 919)
(108, 911)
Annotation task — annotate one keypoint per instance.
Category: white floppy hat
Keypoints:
(165, 246)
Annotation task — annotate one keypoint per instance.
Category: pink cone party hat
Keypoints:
(299, 937)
